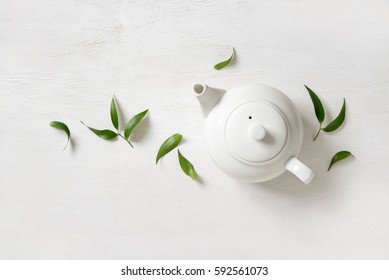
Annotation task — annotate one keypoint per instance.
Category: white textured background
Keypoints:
(63, 60)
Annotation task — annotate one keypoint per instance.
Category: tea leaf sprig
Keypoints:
(186, 166)
(338, 157)
(332, 126)
(108, 134)
(320, 114)
(170, 144)
(62, 126)
(338, 121)
(114, 114)
(225, 63)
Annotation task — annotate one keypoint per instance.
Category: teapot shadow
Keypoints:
(269, 139)
(316, 155)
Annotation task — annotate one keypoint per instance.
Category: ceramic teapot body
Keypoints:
(253, 133)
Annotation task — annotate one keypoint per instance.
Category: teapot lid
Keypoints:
(256, 131)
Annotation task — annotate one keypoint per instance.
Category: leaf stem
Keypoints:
(317, 134)
(125, 140)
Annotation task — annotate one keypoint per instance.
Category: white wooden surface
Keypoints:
(63, 60)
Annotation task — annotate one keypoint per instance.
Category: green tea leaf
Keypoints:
(168, 145)
(105, 134)
(186, 166)
(63, 127)
(133, 122)
(225, 63)
(319, 109)
(114, 114)
(338, 157)
(338, 121)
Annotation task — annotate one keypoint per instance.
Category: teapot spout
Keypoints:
(208, 97)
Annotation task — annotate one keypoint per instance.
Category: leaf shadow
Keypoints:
(183, 141)
(72, 145)
(235, 60)
(141, 130)
(200, 182)
(121, 117)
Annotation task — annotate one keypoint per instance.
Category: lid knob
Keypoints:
(257, 132)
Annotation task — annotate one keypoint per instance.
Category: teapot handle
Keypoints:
(303, 172)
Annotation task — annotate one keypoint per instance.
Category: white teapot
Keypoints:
(253, 133)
